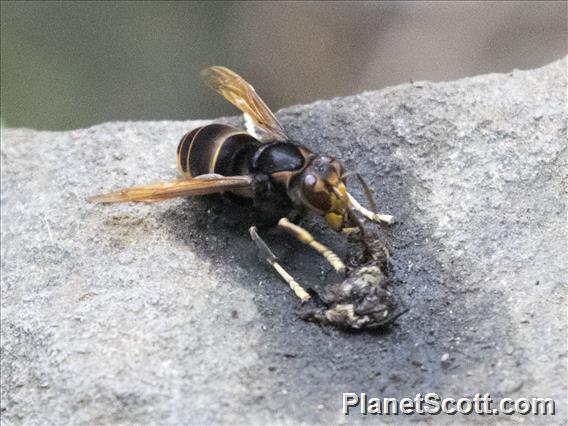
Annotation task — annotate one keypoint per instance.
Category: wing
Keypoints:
(202, 185)
(241, 94)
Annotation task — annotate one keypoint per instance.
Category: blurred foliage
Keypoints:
(72, 64)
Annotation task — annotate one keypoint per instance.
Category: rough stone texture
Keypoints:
(164, 313)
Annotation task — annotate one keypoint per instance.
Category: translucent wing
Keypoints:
(241, 94)
(202, 185)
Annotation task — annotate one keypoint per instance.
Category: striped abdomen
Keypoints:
(215, 148)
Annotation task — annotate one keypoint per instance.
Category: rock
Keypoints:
(125, 313)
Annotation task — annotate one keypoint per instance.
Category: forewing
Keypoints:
(203, 185)
(241, 94)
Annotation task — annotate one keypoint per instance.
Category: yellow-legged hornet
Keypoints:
(269, 173)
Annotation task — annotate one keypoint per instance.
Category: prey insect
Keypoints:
(261, 169)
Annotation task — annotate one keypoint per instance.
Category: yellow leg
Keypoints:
(350, 230)
(375, 217)
(307, 238)
(271, 258)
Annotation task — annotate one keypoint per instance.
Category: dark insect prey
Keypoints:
(365, 299)
(264, 170)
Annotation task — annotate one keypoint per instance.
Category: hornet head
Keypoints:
(322, 190)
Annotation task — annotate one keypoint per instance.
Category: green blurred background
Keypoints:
(73, 64)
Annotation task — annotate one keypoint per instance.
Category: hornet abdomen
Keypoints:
(215, 148)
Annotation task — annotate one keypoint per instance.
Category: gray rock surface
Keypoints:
(164, 313)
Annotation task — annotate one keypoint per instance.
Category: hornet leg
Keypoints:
(374, 217)
(271, 258)
(372, 214)
(350, 230)
(307, 238)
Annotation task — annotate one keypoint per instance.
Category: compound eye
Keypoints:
(310, 180)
